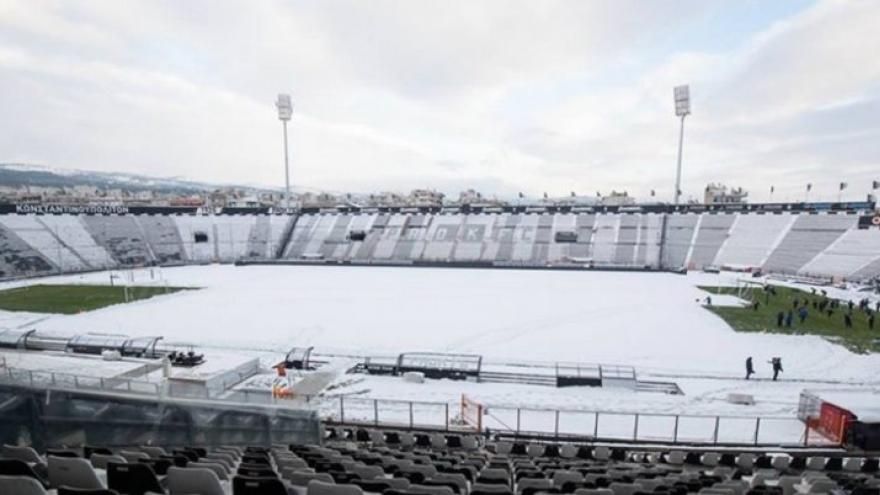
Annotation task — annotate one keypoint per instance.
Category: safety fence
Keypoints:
(468, 415)
(570, 424)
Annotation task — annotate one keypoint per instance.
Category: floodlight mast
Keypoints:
(682, 109)
(285, 111)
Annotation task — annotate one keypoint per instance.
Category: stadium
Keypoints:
(509, 329)
(174, 321)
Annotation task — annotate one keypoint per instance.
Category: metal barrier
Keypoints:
(561, 424)
(546, 423)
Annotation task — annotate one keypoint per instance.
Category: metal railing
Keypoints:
(560, 423)
(516, 421)
(51, 379)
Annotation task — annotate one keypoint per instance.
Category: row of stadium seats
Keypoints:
(818, 245)
(45, 244)
(358, 461)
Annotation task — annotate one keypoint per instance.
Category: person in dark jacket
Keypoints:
(750, 370)
(788, 318)
(777, 367)
(780, 318)
(847, 320)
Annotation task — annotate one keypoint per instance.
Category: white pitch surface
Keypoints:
(648, 320)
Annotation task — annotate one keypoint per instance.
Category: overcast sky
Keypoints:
(502, 96)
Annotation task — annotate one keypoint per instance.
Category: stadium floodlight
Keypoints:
(682, 95)
(285, 111)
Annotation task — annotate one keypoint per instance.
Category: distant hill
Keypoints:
(19, 175)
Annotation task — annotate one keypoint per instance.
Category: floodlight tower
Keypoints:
(285, 111)
(682, 109)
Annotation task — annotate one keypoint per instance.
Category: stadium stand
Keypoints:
(354, 461)
(35, 234)
(71, 231)
(19, 258)
(197, 237)
(752, 239)
(851, 252)
(679, 237)
(817, 245)
(122, 237)
(162, 236)
(809, 236)
(711, 234)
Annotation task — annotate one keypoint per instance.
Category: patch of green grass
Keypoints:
(859, 338)
(72, 299)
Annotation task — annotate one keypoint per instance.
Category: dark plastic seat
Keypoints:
(176, 460)
(88, 450)
(159, 466)
(257, 472)
(797, 462)
(584, 453)
(61, 453)
(834, 464)
(244, 485)
(362, 436)
(77, 491)
(15, 467)
(190, 455)
(132, 479)
(452, 485)
(453, 441)
(374, 485)
(255, 459)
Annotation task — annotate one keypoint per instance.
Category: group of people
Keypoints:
(776, 362)
(823, 305)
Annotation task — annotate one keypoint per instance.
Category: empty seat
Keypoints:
(489, 488)
(675, 457)
(153, 452)
(781, 462)
(219, 469)
(15, 467)
(316, 487)
(456, 478)
(529, 486)
(244, 485)
(562, 477)
(79, 491)
(593, 491)
(568, 451)
(624, 488)
(99, 461)
(132, 479)
(73, 472)
(431, 489)
(132, 456)
(159, 466)
(21, 485)
(299, 478)
(602, 453)
(26, 454)
(193, 481)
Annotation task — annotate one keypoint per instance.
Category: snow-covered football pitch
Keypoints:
(652, 321)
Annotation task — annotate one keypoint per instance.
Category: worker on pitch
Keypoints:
(777, 366)
(750, 370)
